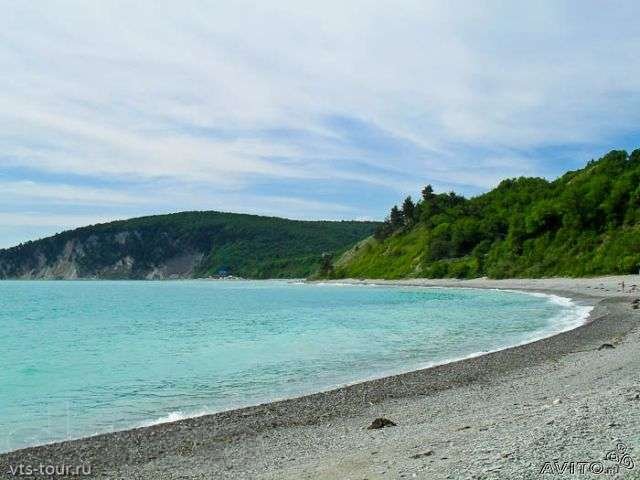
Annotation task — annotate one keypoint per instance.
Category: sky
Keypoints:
(300, 109)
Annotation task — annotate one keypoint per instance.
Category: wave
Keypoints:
(345, 284)
(175, 417)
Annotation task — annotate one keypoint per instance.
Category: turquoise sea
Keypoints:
(85, 357)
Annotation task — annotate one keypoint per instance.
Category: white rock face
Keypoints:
(68, 265)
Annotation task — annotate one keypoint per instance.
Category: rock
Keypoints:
(428, 453)
(381, 423)
(606, 346)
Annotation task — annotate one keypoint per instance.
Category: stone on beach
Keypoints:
(428, 453)
(381, 423)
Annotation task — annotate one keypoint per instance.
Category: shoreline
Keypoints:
(537, 336)
(144, 450)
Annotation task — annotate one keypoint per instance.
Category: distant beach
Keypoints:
(570, 397)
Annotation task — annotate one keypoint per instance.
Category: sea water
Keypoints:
(85, 357)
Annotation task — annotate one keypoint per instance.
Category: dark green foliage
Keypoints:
(427, 193)
(326, 265)
(396, 219)
(586, 222)
(408, 211)
(245, 245)
(383, 230)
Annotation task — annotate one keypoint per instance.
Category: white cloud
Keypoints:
(38, 219)
(192, 92)
(63, 193)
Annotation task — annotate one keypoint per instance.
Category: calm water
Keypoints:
(79, 358)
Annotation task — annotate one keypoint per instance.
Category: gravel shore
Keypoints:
(571, 398)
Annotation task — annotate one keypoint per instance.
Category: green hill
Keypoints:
(586, 222)
(185, 245)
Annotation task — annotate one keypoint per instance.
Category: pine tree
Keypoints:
(408, 210)
(396, 218)
(427, 193)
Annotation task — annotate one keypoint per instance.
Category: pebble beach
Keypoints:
(523, 412)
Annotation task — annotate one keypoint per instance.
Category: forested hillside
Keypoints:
(586, 222)
(185, 245)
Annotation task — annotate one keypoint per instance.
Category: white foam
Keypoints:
(175, 417)
(345, 284)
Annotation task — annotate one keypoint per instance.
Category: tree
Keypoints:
(427, 193)
(587, 222)
(408, 210)
(395, 218)
(383, 230)
(326, 264)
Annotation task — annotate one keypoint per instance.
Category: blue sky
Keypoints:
(312, 110)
